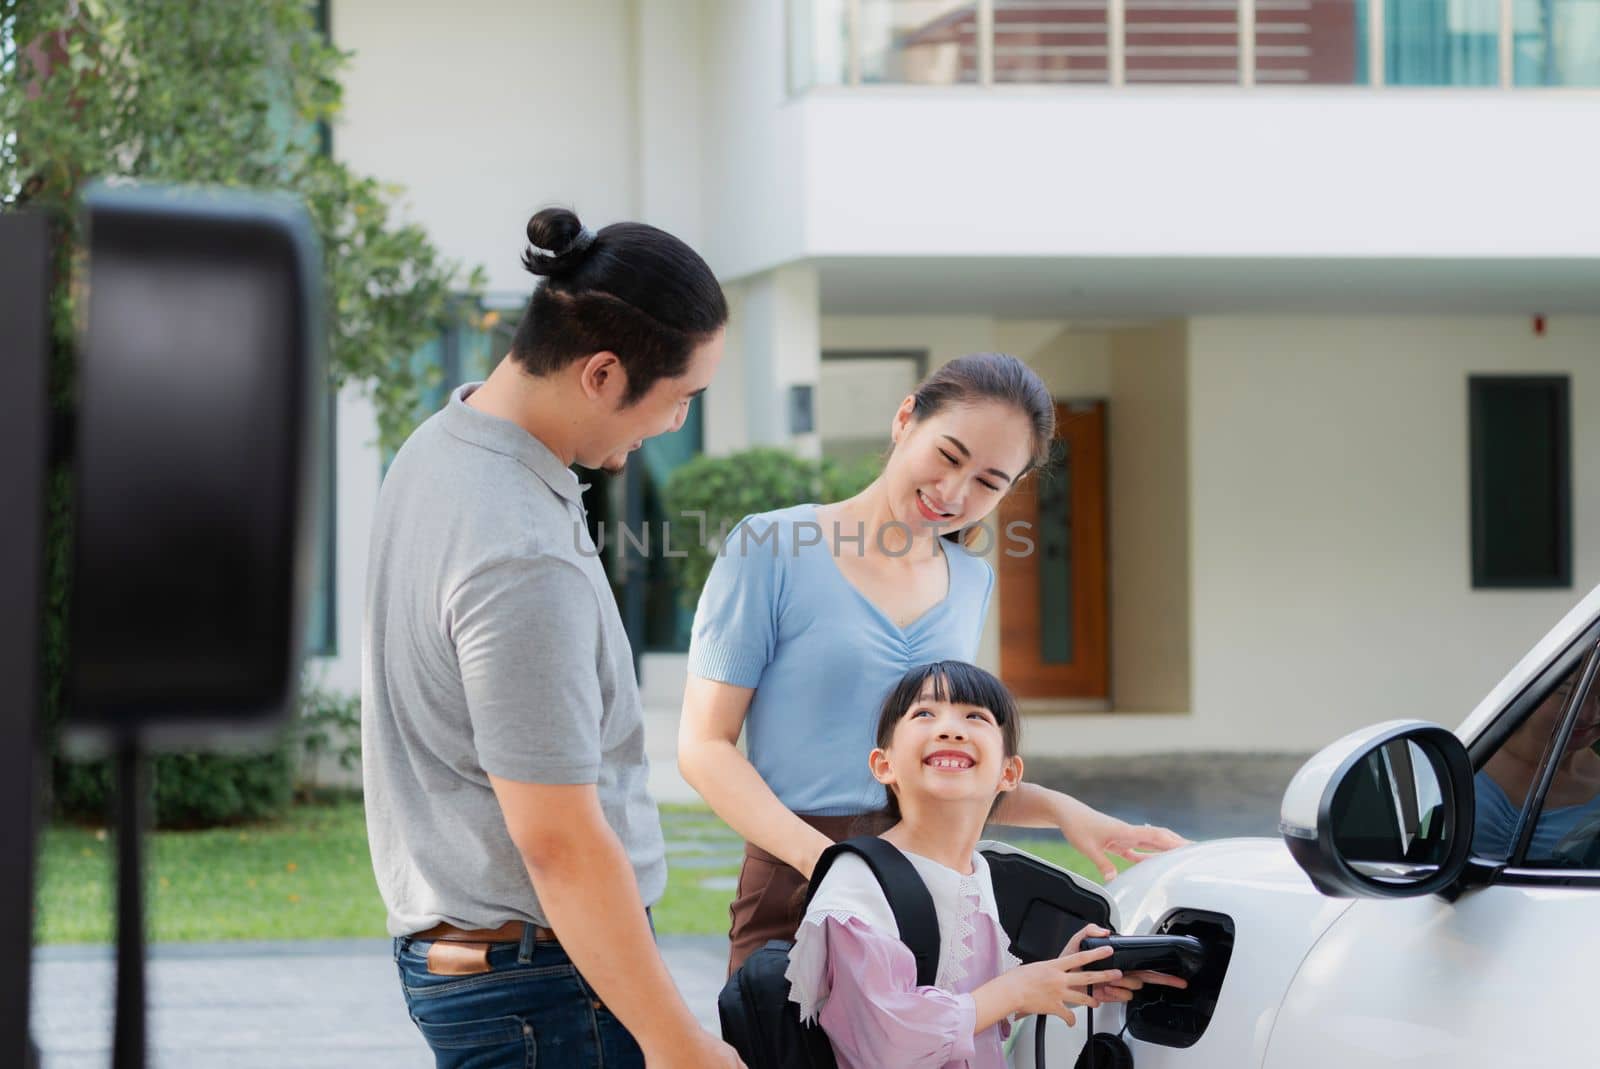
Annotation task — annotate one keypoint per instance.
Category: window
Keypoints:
(1538, 794)
(664, 620)
(1521, 481)
(1442, 42)
(854, 388)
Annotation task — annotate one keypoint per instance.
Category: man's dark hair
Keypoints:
(630, 289)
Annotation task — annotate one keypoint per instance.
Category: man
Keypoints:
(512, 836)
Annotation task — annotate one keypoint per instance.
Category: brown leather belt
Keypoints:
(509, 932)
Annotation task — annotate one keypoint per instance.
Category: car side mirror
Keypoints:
(1385, 812)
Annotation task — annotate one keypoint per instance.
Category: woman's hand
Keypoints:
(1093, 833)
(1098, 835)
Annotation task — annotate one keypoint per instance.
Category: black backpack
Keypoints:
(760, 1022)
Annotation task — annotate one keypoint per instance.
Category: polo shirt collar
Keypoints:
(502, 436)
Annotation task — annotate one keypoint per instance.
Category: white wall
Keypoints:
(669, 60)
(943, 337)
(725, 427)
(1147, 460)
(1074, 362)
(487, 111)
(1034, 171)
(754, 153)
(1331, 519)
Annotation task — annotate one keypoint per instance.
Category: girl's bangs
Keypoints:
(965, 684)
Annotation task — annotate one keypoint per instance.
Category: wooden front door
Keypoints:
(1054, 633)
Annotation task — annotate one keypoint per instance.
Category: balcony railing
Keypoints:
(1493, 43)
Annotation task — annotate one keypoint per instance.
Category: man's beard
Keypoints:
(615, 467)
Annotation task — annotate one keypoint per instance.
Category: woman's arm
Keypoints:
(1094, 833)
(709, 758)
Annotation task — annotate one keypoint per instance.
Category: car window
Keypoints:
(1566, 829)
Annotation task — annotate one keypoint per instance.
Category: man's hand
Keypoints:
(586, 885)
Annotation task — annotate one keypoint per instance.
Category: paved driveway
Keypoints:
(328, 1005)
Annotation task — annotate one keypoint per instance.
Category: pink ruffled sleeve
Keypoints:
(862, 985)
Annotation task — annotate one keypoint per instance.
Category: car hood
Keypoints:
(1254, 868)
(1277, 917)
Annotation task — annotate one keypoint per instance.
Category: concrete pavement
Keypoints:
(311, 1005)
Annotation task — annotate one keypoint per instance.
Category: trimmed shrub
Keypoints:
(208, 790)
(727, 489)
(190, 790)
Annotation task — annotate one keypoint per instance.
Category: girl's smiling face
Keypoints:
(946, 750)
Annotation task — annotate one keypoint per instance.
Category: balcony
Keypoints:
(1505, 44)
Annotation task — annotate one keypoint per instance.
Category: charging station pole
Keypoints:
(24, 417)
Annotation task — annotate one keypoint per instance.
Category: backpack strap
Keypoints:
(902, 885)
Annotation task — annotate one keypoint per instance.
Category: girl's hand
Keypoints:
(1097, 835)
(1054, 986)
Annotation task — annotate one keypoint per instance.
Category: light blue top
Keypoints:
(1495, 820)
(778, 615)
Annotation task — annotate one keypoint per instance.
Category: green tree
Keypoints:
(226, 94)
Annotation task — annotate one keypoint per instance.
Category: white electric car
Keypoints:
(1434, 900)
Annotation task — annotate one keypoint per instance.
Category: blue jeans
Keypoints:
(530, 1009)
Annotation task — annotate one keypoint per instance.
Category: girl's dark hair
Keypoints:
(993, 377)
(630, 289)
(959, 683)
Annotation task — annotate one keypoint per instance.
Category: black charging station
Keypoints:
(198, 377)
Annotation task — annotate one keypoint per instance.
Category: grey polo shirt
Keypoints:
(492, 645)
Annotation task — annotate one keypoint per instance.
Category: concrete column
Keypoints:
(780, 342)
(725, 429)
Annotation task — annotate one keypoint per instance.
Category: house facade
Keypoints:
(1316, 284)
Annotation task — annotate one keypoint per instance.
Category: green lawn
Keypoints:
(308, 876)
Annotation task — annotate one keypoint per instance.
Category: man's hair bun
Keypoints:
(630, 289)
(558, 243)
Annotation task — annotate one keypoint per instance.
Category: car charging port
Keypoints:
(1173, 1018)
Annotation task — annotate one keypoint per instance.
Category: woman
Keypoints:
(812, 613)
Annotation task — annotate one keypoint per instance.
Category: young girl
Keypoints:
(947, 745)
